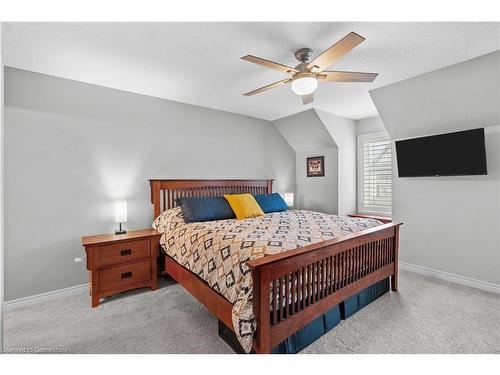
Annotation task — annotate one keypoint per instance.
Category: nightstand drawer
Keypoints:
(123, 252)
(121, 277)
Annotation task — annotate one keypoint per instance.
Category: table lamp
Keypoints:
(120, 214)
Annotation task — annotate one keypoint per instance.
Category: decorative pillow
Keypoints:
(271, 202)
(197, 209)
(244, 205)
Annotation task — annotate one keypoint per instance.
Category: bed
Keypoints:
(267, 278)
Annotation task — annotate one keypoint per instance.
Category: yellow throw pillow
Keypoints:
(244, 205)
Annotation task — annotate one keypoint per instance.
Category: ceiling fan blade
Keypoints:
(347, 76)
(268, 87)
(269, 64)
(307, 99)
(335, 52)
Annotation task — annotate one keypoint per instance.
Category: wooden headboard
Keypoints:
(164, 192)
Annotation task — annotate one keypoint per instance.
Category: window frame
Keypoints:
(362, 209)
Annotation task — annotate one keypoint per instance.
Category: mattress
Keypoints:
(218, 251)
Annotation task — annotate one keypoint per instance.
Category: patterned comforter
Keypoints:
(217, 251)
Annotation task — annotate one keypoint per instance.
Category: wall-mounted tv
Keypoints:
(452, 154)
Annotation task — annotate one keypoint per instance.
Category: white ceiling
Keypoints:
(199, 63)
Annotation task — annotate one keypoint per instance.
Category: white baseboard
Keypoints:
(451, 277)
(457, 279)
(42, 297)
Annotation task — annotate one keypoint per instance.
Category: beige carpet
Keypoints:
(425, 316)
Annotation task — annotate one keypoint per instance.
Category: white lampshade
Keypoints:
(304, 85)
(288, 197)
(120, 211)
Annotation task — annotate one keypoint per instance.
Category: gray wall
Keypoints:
(313, 133)
(71, 148)
(451, 224)
(343, 131)
(317, 193)
(308, 136)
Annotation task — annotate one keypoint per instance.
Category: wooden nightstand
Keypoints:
(117, 263)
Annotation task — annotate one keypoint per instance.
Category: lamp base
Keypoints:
(120, 231)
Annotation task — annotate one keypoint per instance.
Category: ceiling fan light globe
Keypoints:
(304, 85)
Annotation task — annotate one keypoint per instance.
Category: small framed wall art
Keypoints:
(316, 166)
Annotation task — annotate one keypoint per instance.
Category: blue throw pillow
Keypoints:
(197, 209)
(271, 202)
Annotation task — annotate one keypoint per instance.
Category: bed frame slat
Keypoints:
(165, 192)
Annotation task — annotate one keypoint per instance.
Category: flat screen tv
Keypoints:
(452, 154)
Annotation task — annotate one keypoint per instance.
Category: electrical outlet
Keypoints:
(80, 259)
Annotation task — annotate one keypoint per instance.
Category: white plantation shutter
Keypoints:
(375, 175)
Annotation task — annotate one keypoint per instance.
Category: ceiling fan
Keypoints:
(305, 76)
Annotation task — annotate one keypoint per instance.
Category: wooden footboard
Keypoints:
(308, 281)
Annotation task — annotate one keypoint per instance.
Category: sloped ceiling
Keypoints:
(458, 97)
(341, 129)
(305, 131)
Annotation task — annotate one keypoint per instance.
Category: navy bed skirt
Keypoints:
(318, 327)
(355, 303)
(309, 333)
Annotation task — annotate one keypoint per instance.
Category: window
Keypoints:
(374, 174)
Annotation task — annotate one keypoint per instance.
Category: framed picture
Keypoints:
(316, 166)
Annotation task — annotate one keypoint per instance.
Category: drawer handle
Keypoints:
(125, 252)
(126, 275)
